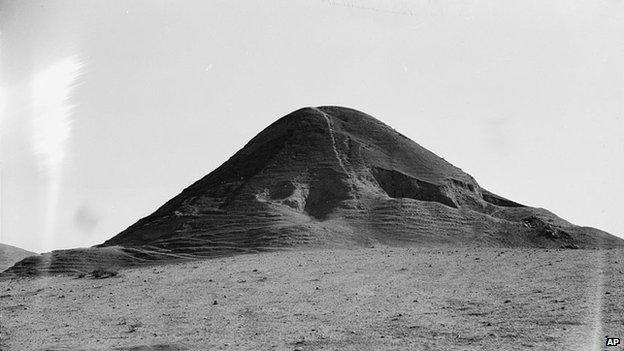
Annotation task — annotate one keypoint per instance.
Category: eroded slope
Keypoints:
(9, 255)
(333, 176)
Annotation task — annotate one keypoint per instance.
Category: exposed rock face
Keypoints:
(11, 254)
(335, 176)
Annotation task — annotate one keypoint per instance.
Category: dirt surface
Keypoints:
(379, 298)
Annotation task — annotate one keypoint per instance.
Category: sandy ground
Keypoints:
(366, 299)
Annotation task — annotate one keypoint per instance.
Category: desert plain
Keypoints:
(376, 298)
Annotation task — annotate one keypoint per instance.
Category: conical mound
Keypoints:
(333, 176)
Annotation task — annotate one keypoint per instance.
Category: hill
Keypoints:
(9, 255)
(329, 177)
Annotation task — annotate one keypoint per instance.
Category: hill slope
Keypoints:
(9, 255)
(332, 176)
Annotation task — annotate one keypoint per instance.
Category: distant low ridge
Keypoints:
(327, 177)
(9, 255)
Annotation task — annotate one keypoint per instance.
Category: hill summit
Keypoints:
(334, 176)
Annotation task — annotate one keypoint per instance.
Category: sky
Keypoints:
(110, 108)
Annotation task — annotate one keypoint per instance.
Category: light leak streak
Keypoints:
(2, 108)
(599, 302)
(51, 129)
(2, 105)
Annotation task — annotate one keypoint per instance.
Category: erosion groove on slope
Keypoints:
(330, 128)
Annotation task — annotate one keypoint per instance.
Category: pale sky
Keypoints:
(110, 108)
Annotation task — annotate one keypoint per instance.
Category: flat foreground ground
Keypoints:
(364, 299)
